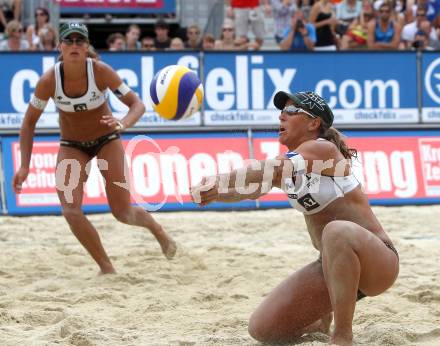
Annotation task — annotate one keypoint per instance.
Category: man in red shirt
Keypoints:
(248, 14)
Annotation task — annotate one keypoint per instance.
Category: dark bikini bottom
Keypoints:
(360, 294)
(92, 147)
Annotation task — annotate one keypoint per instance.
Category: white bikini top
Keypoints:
(93, 98)
(310, 193)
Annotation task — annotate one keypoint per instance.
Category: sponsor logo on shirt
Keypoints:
(80, 107)
(308, 202)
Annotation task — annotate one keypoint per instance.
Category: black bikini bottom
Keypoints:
(360, 294)
(92, 147)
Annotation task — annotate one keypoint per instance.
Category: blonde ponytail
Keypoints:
(336, 137)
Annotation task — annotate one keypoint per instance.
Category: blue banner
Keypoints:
(431, 87)
(18, 82)
(360, 87)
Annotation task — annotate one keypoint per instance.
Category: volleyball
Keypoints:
(176, 92)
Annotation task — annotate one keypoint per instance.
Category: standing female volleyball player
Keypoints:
(78, 85)
(357, 258)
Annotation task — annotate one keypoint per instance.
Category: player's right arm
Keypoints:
(44, 90)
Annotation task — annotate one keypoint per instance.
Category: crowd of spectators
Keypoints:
(319, 25)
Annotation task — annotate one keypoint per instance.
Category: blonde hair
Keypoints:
(336, 137)
(12, 26)
(43, 31)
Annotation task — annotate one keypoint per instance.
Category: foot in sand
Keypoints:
(322, 325)
(169, 249)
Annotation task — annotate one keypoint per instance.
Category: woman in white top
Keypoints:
(357, 258)
(78, 87)
(42, 17)
(47, 38)
(228, 40)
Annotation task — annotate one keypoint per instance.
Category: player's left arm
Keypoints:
(112, 81)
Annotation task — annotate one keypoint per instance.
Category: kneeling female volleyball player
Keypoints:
(357, 258)
(78, 85)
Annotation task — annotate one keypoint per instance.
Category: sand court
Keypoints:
(50, 292)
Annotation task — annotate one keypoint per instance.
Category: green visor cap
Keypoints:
(73, 28)
(307, 100)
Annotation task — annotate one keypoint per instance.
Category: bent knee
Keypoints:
(72, 213)
(258, 330)
(266, 332)
(122, 214)
(336, 232)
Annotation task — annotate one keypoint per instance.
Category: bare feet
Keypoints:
(342, 339)
(326, 321)
(322, 325)
(107, 269)
(168, 245)
(170, 249)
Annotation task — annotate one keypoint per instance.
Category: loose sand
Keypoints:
(50, 293)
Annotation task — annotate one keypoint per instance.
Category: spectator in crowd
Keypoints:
(300, 35)
(48, 38)
(177, 44)
(324, 20)
(433, 40)
(357, 33)
(384, 32)
(7, 7)
(305, 6)
(132, 37)
(282, 11)
(397, 10)
(116, 42)
(208, 42)
(421, 41)
(227, 39)
(193, 37)
(147, 43)
(432, 8)
(42, 17)
(248, 15)
(14, 38)
(346, 12)
(409, 30)
(162, 29)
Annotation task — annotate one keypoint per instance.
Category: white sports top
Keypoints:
(93, 98)
(310, 193)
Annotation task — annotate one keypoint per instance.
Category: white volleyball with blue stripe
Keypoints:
(176, 92)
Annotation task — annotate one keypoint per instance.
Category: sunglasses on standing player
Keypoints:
(79, 41)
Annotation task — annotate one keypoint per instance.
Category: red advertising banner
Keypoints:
(161, 170)
(134, 4)
(393, 169)
(406, 167)
(117, 6)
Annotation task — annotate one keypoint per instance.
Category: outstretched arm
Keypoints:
(250, 182)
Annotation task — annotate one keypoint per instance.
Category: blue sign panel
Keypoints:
(362, 87)
(431, 87)
(18, 82)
